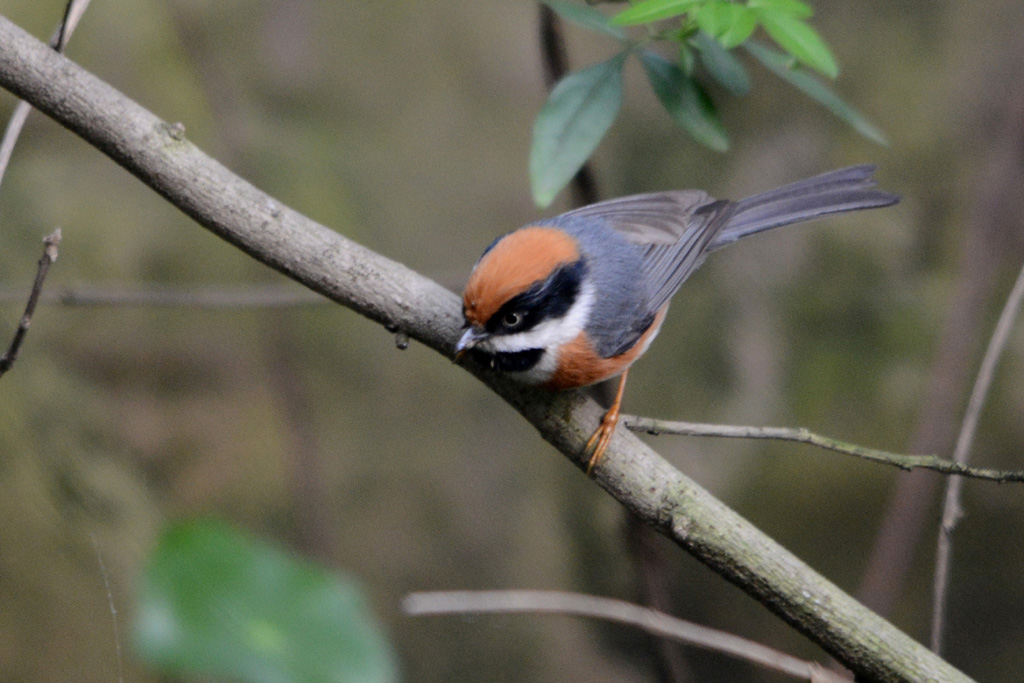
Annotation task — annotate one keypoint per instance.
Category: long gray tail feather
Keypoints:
(847, 189)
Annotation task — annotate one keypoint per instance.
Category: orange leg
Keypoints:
(602, 437)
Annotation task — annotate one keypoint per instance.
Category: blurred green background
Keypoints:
(406, 126)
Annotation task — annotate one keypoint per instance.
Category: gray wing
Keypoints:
(675, 230)
(655, 218)
(666, 266)
(846, 189)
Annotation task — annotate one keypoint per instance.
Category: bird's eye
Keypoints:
(512, 320)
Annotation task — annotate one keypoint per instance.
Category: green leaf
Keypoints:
(794, 8)
(587, 17)
(215, 602)
(722, 65)
(570, 125)
(779, 64)
(800, 40)
(652, 10)
(685, 101)
(729, 22)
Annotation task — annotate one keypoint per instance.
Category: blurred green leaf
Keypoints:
(722, 64)
(794, 8)
(685, 101)
(729, 22)
(653, 10)
(586, 16)
(570, 125)
(800, 40)
(780, 65)
(216, 602)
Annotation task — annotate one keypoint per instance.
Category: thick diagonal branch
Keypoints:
(392, 294)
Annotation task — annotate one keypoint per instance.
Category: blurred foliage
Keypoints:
(406, 127)
(213, 601)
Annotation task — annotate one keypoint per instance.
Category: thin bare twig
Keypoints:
(52, 241)
(113, 608)
(951, 510)
(652, 621)
(654, 590)
(271, 296)
(72, 13)
(803, 435)
(993, 223)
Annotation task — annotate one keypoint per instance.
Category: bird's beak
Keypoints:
(473, 336)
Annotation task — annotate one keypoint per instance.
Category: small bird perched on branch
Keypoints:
(574, 300)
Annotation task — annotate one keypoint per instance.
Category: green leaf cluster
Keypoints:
(732, 23)
(583, 105)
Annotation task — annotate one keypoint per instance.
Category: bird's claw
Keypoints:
(599, 440)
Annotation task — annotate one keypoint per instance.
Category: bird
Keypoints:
(574, 300)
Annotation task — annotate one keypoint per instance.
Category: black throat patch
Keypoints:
(508, 361)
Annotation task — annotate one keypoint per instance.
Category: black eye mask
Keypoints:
(546, 300)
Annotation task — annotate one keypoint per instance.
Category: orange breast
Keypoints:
(579, 365)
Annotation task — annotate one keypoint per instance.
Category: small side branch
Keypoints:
(51, 241)
(803, 435)
(72, 14)
(227, 297)
(951, 510)
(652, 621)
